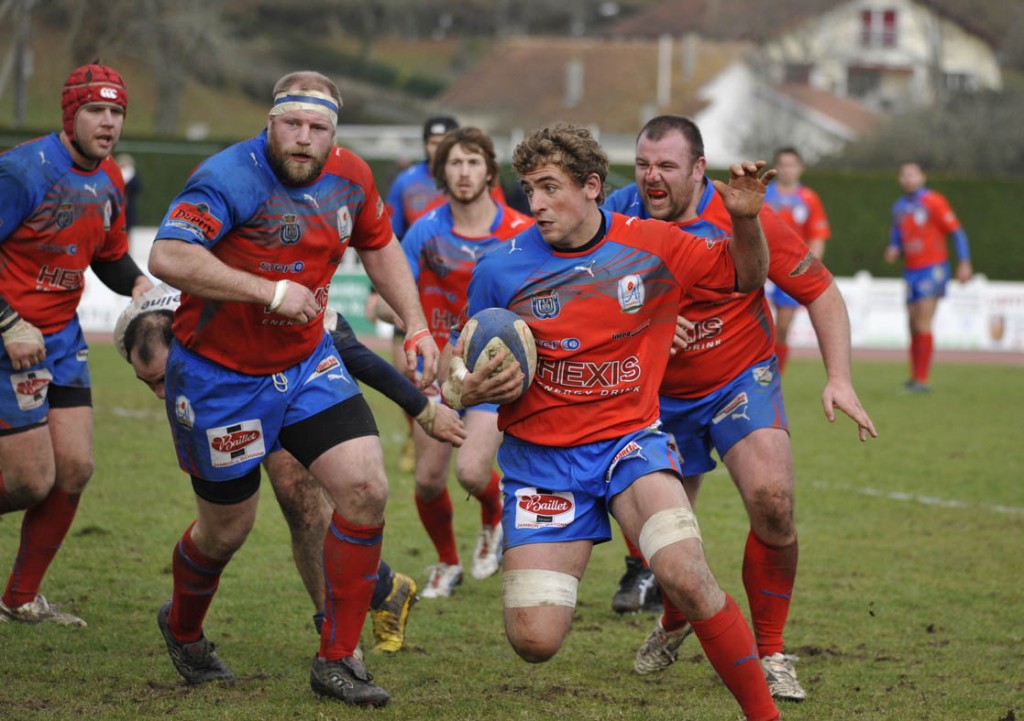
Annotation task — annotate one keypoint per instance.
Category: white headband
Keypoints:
(318, 102)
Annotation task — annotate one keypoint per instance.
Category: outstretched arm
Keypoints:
(743, 198)
(832, 326)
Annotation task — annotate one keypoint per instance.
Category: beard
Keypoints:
(291, 171)
(468, 195)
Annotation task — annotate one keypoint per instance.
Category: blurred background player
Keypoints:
(253, 242)
(442, 248)
(583, 439)
(412, 193)
(921, 221)
(143, 337)
(800, 208)
(723, 390)
(62, 210)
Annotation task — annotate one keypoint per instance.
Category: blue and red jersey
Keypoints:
(235, 206)
(55, 220)
(801, 210)
(413, 193)
(733, 330)
(920, 223)
(442, 262)
(603, 318)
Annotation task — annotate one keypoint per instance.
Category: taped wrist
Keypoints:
(280, 291)
(451, 391)
(413, 341)
(427, 416)
(19, 330)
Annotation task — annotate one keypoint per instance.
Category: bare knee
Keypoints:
(74, 474)
(771, 514)
(530, 640)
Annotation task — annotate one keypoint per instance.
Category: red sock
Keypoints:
(196, 577)
(42, 531)
(436, 516)
(782, 354)
(633, 550)
(672, 619)
(768, 575)
(923, 360)
(351, 557)
(729, 646)
(490, 502)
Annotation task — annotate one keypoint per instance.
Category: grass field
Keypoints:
(909, 601)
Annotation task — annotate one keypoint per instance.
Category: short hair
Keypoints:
(569, 147)
(472, 140)
(308, 80)
(146, 331)
(657, 128)
(787, 150)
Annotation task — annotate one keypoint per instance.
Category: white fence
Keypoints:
(979, 315)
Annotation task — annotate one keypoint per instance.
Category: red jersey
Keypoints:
(236, 206)
(801, 210)
(734, 331)
(55, 221)
(442, 262)
(920, 224)
(603, 318)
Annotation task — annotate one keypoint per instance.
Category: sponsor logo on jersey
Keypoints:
(380, 207)
(630, 333)
(920, 215)
(630, 450)
(537, 508)
(195, 218)
(800, 213)
(183, 413)
(65, 215)
(82, 355)
(344, 224)
(54, 278)
(296, 267)
(631, 293)
(546, 305)
(570, 374)
(30, 388)
(291, 231)
(569, 344)
(236, 443)
(108, 93)
(734, 409)
(108, 213)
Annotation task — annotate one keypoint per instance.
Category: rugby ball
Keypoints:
(496, 329)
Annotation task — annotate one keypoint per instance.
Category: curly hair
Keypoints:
(569, 147)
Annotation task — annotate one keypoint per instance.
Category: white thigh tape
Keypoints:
(667, 527)
(531, 587)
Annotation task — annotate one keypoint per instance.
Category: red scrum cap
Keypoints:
(91, 84)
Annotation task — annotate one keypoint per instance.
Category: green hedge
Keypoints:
(857, 204)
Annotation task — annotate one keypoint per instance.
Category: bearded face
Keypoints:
(298, 144)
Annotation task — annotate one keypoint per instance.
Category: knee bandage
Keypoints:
(667, 527)
(532, 587)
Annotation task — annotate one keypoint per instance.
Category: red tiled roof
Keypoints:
(846, 111)
(522, 83)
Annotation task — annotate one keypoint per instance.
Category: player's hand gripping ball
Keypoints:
(496, 329)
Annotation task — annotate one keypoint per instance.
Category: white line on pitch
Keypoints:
(915, 498)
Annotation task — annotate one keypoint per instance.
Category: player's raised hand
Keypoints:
(744, 194)
(841, 395)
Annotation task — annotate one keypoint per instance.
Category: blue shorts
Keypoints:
(780, 298)
(927, 282)
(719, 420)
(23, 393)
(563, 494)
(224, 422)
